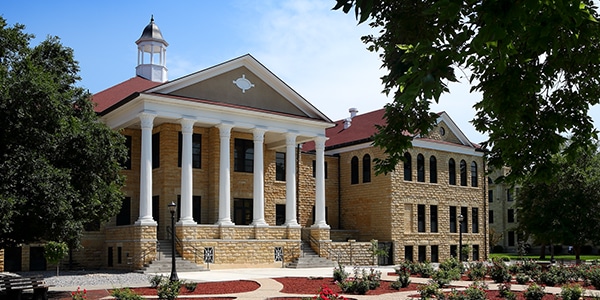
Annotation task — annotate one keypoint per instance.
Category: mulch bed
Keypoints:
(311, 285)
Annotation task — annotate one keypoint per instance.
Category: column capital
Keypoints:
(290, 138)
(224, 129)
(259, 134)
(147, 119)
(320, 142)
(187, 125)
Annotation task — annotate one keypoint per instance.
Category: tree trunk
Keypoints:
(543, 252)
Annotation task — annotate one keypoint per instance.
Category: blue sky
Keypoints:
(313, 49)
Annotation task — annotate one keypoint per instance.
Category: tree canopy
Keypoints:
(59, 166)
(536, 64)
(565, 209)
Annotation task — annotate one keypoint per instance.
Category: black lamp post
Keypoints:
(460, 226)
(172, 208)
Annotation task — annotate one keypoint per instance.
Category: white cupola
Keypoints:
(152, 51)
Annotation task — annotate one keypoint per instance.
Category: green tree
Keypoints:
(536, 63)
(54, 252)
(59, 166)
(564, 209)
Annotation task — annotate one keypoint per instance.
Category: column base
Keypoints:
(320, 226)
(292, 224)
(259, 223)
(148, 221)
(187, 222)
(225, 223)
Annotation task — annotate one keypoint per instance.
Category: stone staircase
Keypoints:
(163, 262)
(309, 259)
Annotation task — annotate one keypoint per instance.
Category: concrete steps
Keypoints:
(163, 263)
(310, 259)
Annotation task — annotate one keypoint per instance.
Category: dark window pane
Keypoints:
(407, 167)
(420, 168)
(354, 170)
(421, 218)
(463, 173)
(280, 166)
(432, 169)
(156, 150)
(367, 168)
(451, 172)
(474, 181)
(243, 156)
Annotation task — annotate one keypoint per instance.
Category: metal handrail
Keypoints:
(180, 244)
(141, 257)
(313, 239)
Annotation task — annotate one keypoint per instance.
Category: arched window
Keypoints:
(407, 167)
(420, 168)
(354, 170)
(463, 172)
(473, 174)
(451, 172)
(432, 169)
(367, 168)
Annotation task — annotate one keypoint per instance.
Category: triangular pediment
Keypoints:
(241, 82)
(446, 130)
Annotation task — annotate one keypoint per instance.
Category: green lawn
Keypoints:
(515, 256)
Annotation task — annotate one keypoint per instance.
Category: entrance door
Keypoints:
(12, 259)
(37, 261)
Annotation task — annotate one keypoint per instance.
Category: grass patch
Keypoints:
(515, 256)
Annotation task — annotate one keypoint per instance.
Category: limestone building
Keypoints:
(256, 171)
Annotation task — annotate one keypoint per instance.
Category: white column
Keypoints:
(145, 217)
(320, 221)
(290, 180)
(187, 128)
(259, 178)
(224, 175)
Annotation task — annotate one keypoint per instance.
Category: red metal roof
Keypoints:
(112, 95)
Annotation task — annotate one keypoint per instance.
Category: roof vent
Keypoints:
(353, 111)
(347, 123)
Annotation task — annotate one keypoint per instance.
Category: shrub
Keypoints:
(476, 271)
(557, 275)
(325, 293)
(339, 273)
(593, 276)
(403, 279)
(534, 292)
(505, 292)
(531, 268)
(190, 286)
(362, 281)
(431, 290)
(169, 289)
(457, 295)
(571, 292)
(373, 278)
(498, 249)
(522, 278)
(79, 294)
(476, 291)
(404, 266)
(125, 294)
(451, 263)
(157, 280)
(443, 277)
(499, 271)
(424, 269)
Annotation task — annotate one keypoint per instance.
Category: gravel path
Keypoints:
(87, 279)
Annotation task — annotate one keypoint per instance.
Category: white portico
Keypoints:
(253, 101)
